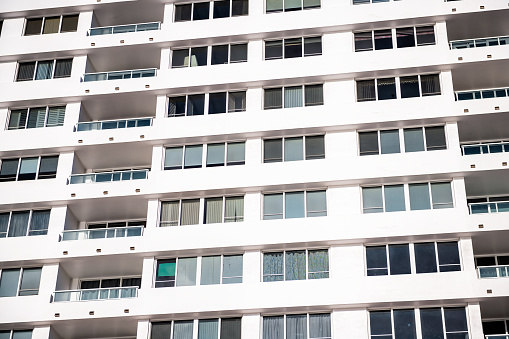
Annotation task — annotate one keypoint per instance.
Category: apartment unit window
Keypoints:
(216, 210)
(226, 269)
(401, 323)
(409, 87)
(116, 224)
(53, 24)
(190, 156)
(23, 223)
(16, 334)
(296, 265)
(290, 5)
(429, 257)
(31, 168)
(19, 281)
(419, 196)
(201, 10)
(495, 327)
(297, 326)
(413, 140)
(294, 148)
(288, 205)
(293, 47)
(110, 283)
(222, 328)
(44, 69)
(198, 56)
(212, 103)
(293, 96)
(36, 117)
(399, 37)
(498, 260)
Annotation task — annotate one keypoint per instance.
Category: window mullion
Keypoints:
(37, 169)
(19, 281)
(419, 80)
(387, 259)
(401, 140)
(8, 224)
(35, 69)
(411, 249)
(284, 266)
(19, 167)
(195, 326)
(376, 86)
(424, 136)
(437, 259)
(307, 263)
(430, 196)
(199, 262)
(383, 198)
(417, 316)
(221, 268)
(394, 38)
(378, 134)
(443, 322)
(373, 42)
(406, 190)
(54, 69)
(42, 25)
(393, 327)
(29, 221)
(397, 83)
(180, 214)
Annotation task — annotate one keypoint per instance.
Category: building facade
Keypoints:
(254, 169)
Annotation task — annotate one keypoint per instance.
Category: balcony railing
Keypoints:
(108, 176)
(96, 294)
(116, 75)
(493, 271)
(485, 148)
(489, 207)
(483, 94)
(150, 26)
(113, 124)
(497, 336)
(102, 233)
(484, 42)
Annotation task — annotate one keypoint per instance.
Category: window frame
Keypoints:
(302, 42)
(53, 77)
(206, 105)
(20, 280)
(211, 11)
(304, 148)
(209, 54)
(31, 211)
(100, 280)
(41, 31)
(307, 251)
(46, 117)
(283, 214)
(204, 154)
(195, 325)
(39, 158)
(394, 37)
(283, 9)
(304, 96)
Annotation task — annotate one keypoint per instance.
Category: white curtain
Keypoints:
(183, 329)
(56, 116)
(296, 326)
(319, 326)
(39, 222)
(234, 209)
(211, 270)
(208, 329)
(190, 212)
(273, 327)
(293, 96)
(186, 272)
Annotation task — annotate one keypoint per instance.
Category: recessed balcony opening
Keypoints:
(484, 134)
(123, 110)
(97, 328)
(136, 12)
(488, 25)
(487, 192)
(495, 318)
(481, 81)
(491, 253)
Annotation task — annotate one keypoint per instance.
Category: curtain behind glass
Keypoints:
(293, 96)
(273, 327)
(296, 326)
(366, 90)
(230, 328)
(56, 116)
(44, 70)
(169, 213)
(319, 326)
(273, 267)
(186, 272)
(36, 117)
(232, 269)
(273, 98)
(318, 264)
(19, 224)
(4, 224)
(294, 149)
(183, 329)
(39, 222)
(63, 68)
(26, 71)
(234, 209)
(213, 210)
(295, 265)
(314, 93)
(161, 330)
(211, 270)
(208, 328)
(190, 212)
(430, 84)
(51, 25)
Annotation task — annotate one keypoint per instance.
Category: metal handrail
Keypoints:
(480, 42)
(113, 124)
(103, 233)
(141, 27)
(116, 75)
(108, 176)
(488, 207)
(485, 93)
(96, 294)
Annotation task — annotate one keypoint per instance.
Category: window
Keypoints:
(216, 210)
(394, 259)
(293, 48)
(494, 327)
(29, 168)
(401, 323)
(294, 148)
(290, 5)
(19, 282)
(22, 223)
(410, 86)
(110, 283)
(44, 69)
(420, 196)
(36, 117)
(414, 140)
(295, 326)
(404, 37)
(296, 265)
(226, 269)
(190, 156)
(219, 102)
(54, 24)
(198, 56)
(16, 334)
(223, 328)
(201, 10)
(290, 205)
(293, 96)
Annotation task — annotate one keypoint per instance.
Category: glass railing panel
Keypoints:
(102, 233)
(485, 148)
(483, 42)
(101, 31)
(113, 124)
(96, 294)
(118, 75)
(151, 26)
(483, 207)
(108, 176)
(493, 272)
(497, 336)
(483, 94)
(124, 29)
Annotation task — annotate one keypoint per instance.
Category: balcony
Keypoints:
(151, 26)
(482, 94)
(483, 42)
(493, 271)
(485, 148)
(96, 294)
(109, 176)
(117, 75)
(103, 233)
(113, 124)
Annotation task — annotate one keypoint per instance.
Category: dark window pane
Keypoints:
(180, 58)
(18, 119)
(273, 49)
(51, 25)
(177, 107)
(26, 71)
(221, 9)
(313, 46)
(380, 322)
(455, 319)
(165, 273)
(419, 196)
(9, 170)
(44, 70)
(425, 35)
(431, 323)
(217, 103)
(273, 150)
(363, 41)
(405, 37)
(425, 258)
(389, 141)
(503, 260)
(315, 147)
(386, 88)
(293, 48)
(485, 261)
(394, 197)
(366, 90)
(404, 324)
(198, 56)
(313, 95)
(236, 101)
(195, 104)
(274, 6)
(493, 327)
(231, 328)
(183, 12)
(414, 139)
(430, 84)
(368, 143)
(63, 68)
(383, 39)
(435, 138)
(409, 87)
(273, 98)
(19, 224)
(448, 256)
(293, 5)
(376, 260)
(69, 23)
(219, 55)
(33, 26)
(238, 53)
(48, 167)
(201, 11)
(161, 330)
(240, 7)
(399, 259)
(28, 168)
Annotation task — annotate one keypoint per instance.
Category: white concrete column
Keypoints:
(251, 324)
(254, 100)
(147, 275)
(254, 151)
(41, 332)
(168, 16)
(4, 113)
(65, 164)
(161, 105)
(8, 71)
(344, 200)
(467, 255)
(354, 267)
(79, 66)
(252, 207)
(475, 320)
(252, 267)
(57, 221)
(48, 282)
(447, 84)
(164, 63)
(255, 52)
(441, 35)
(157, 158)
(13, 28)
(350, 324)
(459, 194)
(72, 114)
(143, 329)
(453, 137)
(256, 8)
(85, 22)
(152, 213)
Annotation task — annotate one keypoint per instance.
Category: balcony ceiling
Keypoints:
(130, 13)
(477, 128)
(96, 328)
(487, 183)
(478, 25)
(120, 106)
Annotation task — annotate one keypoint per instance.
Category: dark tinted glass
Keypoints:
(26, 71)
(238, 53)
(368, 143)
(435, 138)
(493, 327)
(221, 9)
(485, 261)
(217, 103)
(273, 150)
(404, 324)
(293, 48)
(405, 37)
(312, 46)
(425, 258)
(196, 104)
(160, 330)
(448, 256)
(425, 35)
(201, 11)
(380, 322)
(180, 58)
(313, 95)
(376, 260)
(383, 39)
(69, 23)
(399, 259)
(273, 98)
(177, 107)
(363, 41)
(273, 49)
(198, 56)
(9, 169)
(366, 90)
(455, 319)
(63, 68)
(315, 147)
(231, 328)
(409, 86)
(431, 323)
(48, 167)
(219, 55)
(183, 12)
(386, 89)
(33, 26)
(503, 260)
(240, 7)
